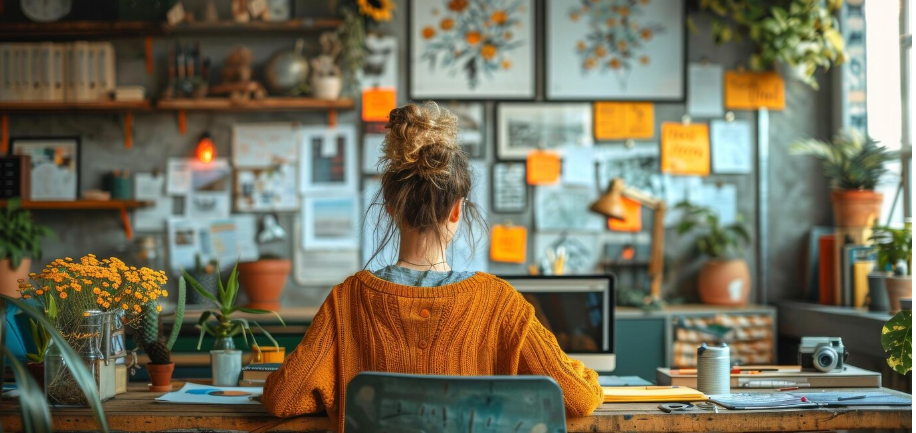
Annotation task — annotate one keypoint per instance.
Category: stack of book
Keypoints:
(46, 71)
(256, 374)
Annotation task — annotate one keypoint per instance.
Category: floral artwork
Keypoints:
(615, 49)
(472, 49)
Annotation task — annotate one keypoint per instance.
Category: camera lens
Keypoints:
(825, 359)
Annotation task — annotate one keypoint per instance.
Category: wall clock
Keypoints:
(45, 11)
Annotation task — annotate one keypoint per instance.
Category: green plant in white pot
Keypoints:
(854, 165)
(895, 261)
(725, 278)
(20, 242)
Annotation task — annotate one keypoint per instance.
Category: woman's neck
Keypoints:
(421, 252)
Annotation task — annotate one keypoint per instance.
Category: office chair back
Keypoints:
(389, 402)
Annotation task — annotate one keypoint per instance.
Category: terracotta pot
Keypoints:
(37, 370)
(9, 277)
(725, 282)
(898, 288)
(161, 376)
(856, 208)
(264, 281)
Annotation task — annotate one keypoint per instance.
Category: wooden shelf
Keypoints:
(73, 106)
(266, 104)
(81, 29)
(81, 204)
(290, 26)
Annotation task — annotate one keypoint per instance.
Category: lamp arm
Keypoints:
(642, 198)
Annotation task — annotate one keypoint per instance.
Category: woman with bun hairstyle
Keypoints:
(417, 315)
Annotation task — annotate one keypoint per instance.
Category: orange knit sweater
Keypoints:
(478, 326)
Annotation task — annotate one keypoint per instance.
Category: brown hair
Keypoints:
(424, 172)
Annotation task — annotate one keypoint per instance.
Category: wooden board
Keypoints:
(73, 106)
(266, 104)
(137, 411)
(83, 29)
(81, 204)
(295, 25)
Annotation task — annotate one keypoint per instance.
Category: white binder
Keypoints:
(80, 72)
(105, 70)
(58, 73)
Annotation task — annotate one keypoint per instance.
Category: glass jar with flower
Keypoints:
(84, 299)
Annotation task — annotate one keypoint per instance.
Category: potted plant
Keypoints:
(205, 275)
(724, 278)
(36, 364)
(20, 242)
(159, 348)
(327, 82)
(264, 280)
(895, 262)
(800, 35)
(897, 338)
(226, 362)
(854, 164)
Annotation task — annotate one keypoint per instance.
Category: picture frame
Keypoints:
(330, 222)
(510, 189)
(439, 29)
(472, 132)
(268, 189)
(604, 53)
(328, 159)
(54, 169)
(257, 145)
(522, 127)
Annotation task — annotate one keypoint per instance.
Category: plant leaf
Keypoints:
(35, 413)
(897, 338)
(199, 289)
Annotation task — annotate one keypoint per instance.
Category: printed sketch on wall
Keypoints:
(639, 167)
(472, 49)
(615, 49)
(523, 127)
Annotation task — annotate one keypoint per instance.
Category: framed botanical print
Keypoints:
(55, 163)
(472, 49)
(615, 50)
(327, 159)
(522, 127)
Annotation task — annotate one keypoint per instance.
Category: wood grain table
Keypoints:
(136, 411)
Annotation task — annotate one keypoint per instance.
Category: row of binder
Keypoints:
(46, 71)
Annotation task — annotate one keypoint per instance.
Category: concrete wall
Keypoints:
(797, 191)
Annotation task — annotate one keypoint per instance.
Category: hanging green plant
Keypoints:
(800, 34)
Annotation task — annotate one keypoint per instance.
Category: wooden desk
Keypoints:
(136, 411)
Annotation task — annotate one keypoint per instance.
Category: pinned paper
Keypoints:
(632, 217)
(754, 90)
(685, 148)
(579, 166)
(543, 168)
(508, 244)
(731, 146)
(704, 91)
(378, 103)
(623, 120)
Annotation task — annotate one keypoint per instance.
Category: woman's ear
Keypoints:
(455, 214)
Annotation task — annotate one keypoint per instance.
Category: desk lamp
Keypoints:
(610, 205)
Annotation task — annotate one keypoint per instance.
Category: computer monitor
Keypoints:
(579, 310)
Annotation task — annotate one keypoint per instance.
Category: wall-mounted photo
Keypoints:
(615, 50)
(55, 163)
(266, 189)
(330, 223)
(327, 159)
(472, 49)
(523, 127)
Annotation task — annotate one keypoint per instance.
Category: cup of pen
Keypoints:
(714, 369)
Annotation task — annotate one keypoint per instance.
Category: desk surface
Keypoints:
(137, 411)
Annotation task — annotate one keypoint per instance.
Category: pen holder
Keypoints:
(714, 369)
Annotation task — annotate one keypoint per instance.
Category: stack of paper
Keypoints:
(129, 93)
(635, 394)
(192, 393)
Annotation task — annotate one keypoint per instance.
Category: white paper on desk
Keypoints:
(579, 166)
(723, 200)
(679, 189)
(705, 90)
(149, 187)
(192, 393)
(179, 176)
(372, 150)
(731, 146)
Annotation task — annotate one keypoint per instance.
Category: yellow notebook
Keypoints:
(636, 394)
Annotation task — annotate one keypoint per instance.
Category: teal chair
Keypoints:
(389, 402)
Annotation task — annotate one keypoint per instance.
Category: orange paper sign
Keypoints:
(753, 90)
(543, 168)
(508, 244)
(685, 148)
(632, 217)
(378, 103)
(623, 120)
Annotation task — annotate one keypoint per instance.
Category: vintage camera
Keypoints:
(822, 353)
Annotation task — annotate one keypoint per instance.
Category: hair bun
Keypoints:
(421, 140)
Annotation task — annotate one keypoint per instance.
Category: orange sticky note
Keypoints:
(632, 221)
(378, 103)
(685, 148)
(623, 120)
(753, 90)
(508, 244)
(543, 168)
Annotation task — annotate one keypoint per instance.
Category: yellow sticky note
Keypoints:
(624, 120)
(754, 90)
(508, 244)
(632, 221)
(685, 148)
(543, 167)
(378, 103)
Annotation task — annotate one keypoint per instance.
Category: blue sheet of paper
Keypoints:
(731, 146)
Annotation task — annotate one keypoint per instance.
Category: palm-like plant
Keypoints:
(717, 241)
(224, 327)
(20, 237)
(851, 161)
